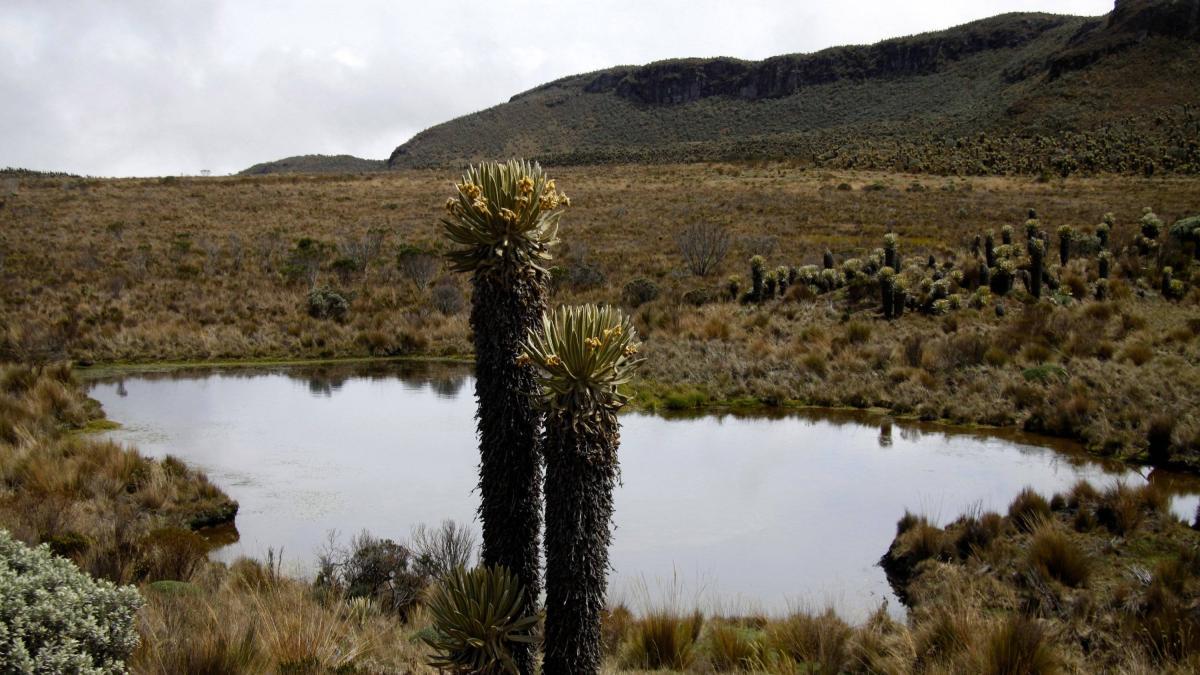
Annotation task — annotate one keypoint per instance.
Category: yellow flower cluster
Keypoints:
(473, 193)
(631, 349)
(524, 360)
(553, 360)
(592, 342)
(551, 198)
(470, 190)
(615, 330)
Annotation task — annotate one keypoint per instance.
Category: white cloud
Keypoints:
(162, 87)
(349, 58)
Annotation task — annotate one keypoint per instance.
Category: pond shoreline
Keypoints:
(750, 407)
(308, 451)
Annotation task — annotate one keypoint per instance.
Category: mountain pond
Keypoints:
(724, 512)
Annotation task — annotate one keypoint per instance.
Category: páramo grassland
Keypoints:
(751, 284)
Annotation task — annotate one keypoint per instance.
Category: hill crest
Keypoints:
(1013, 75)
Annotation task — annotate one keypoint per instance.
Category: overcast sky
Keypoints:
(160, 87)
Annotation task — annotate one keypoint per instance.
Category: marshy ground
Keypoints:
(107, 271)
(182, 269)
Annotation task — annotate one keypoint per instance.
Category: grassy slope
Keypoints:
(863, 118)
(194, 273)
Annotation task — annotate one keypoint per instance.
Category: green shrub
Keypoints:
(374, 568)
(1045, 373)
(304, 260)
(685, 399)
(639, 291)
(698, 297)
(326, 303)
(56, 619)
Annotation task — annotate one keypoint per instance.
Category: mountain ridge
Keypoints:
(1011, 77)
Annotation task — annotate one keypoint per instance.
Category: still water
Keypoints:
(723, 512)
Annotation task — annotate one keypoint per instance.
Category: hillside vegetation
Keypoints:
(317, 164)
(1017, 93)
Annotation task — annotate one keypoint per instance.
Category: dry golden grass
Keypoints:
(249, 618)
(205, 269)
(117, 514)
(1060, 598)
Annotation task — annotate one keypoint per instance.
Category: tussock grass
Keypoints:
(662, 640)
(977, 532)
(1028, 510)
(732, 648)
(117, 514)
(249, 619)
(818, 641)
(1057, 597)
(1052, 553)
(1018, 646)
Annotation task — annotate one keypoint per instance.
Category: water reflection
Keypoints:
(760, 511)
(885, 433)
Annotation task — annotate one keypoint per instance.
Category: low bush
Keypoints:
(56, 619)
(326, 303)
(441, 549)
(171, 553)
(639, 291)
(447, 298)
(379, 569)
